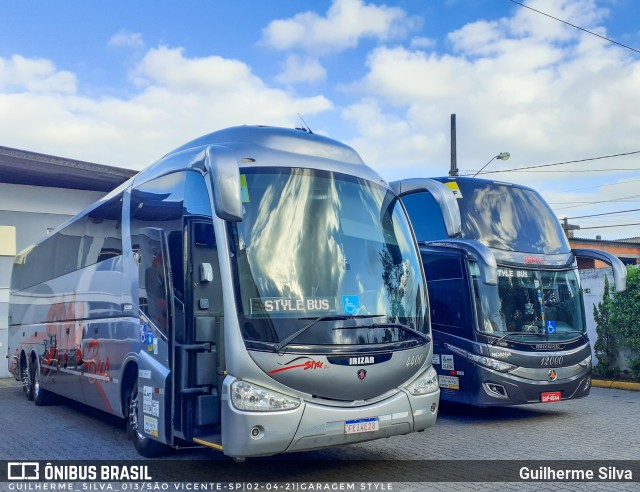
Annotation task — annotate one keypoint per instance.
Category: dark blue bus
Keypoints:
(506, 305)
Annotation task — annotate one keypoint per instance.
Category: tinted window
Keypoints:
(89, 239)
(156, 233)
(448, 293)
(508, 217)
(103, 233)
(426, 216)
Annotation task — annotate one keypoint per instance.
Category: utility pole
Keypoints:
(454, 158)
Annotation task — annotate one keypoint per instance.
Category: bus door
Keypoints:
(157, 308)
(199, 358)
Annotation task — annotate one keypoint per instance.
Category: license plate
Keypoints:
(361, 425)
(550, 396)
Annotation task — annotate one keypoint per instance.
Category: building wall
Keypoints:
(592, 282)
(26, 213)
(629, 253)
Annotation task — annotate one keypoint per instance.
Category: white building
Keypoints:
(38, 192)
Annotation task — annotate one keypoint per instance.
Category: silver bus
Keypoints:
(507, 311)
(257, 291)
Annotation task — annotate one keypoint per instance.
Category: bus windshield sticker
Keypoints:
(285, 305)
(453, 186)
(351, 305)
(435, 359)
(244, 189)
(447, 362)
(449, 382)
(551, 326)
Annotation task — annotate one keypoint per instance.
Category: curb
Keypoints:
(623, 385)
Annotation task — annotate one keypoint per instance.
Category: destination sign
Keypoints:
(292, 305)
(511, 273)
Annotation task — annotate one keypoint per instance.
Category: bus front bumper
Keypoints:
(314, 426)
(503, 389)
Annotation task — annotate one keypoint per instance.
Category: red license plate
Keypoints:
(550, 396)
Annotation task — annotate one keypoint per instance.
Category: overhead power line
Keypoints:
(605, 213)
(602, 186)
(577, 27)
(565, 162)
(574, 170)
(600, 201)
(607, 226)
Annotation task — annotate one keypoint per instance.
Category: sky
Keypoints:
(122, 83)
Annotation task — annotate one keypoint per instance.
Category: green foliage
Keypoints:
(624, 318)
(606, 347)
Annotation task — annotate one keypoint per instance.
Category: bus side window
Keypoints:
(426, 216)
(157, 240)
(448, 293)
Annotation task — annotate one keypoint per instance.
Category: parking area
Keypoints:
(602, 427)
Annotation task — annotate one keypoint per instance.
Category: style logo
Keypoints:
(304, 363)
(553, 375)
(528, 260)
(23, 470)
(362, 373)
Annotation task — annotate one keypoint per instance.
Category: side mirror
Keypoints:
(225, 182)
(441, 194)
(483, 255)
(619, 270)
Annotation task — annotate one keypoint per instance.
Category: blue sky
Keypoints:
(122, 83)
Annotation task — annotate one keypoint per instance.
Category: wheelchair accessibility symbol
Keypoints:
(351, 305)
(551, 326)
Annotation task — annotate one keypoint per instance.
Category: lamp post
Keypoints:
(502, 156)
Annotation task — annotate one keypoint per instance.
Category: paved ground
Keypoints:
(605, 426)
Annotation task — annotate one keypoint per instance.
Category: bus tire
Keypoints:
(41, 396)
(26, 375)
(145, 446)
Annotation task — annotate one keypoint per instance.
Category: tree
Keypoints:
(606, 347)
(624, 318)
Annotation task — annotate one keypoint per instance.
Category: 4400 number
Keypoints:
(415, 360)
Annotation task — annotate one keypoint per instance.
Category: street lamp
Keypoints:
(502, 156)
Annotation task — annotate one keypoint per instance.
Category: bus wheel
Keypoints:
(41, 396)
(26, 376)
(145, 446)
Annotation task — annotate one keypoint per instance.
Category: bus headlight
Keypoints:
(586, 363)
(427, 383)
(247, 396)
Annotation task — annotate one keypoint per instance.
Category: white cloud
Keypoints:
(34, 75)
(127, 39)
(346, 22)
(422, 43)
(516, 85)
(301, 69)
(178, 98)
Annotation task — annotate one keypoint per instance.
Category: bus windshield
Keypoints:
(325, 250)
(532, 302)
(509, 218)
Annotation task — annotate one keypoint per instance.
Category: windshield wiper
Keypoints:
(515, 333)
(417, 333)
(572, 332)
(525, 333)
(332, 317)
